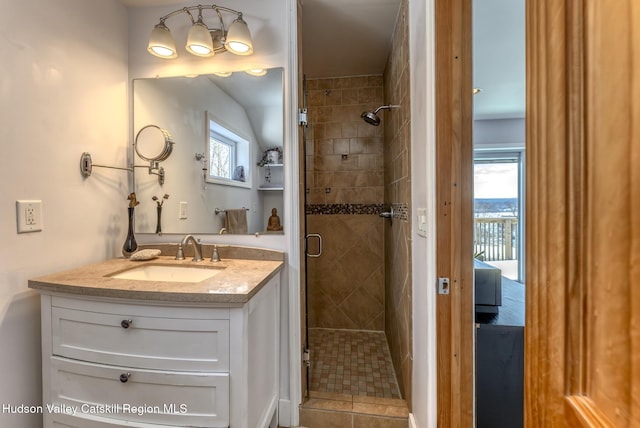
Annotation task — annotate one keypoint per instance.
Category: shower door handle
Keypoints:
(306, 244)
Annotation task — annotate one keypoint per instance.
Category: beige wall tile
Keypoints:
(397, 190)
(324, 404)
(322, 419)
(365, 421)
(381, 409)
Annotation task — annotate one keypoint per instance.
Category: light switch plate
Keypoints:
(182, 215)
(29, 216)
(421, 221)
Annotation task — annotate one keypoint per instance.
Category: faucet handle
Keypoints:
(215, 257)
(180, 253)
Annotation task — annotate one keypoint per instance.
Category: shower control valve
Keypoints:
(306, 358)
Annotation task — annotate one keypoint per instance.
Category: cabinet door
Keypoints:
(105, 393)
(134, 340)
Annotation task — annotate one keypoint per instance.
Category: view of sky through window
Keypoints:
(496, 180)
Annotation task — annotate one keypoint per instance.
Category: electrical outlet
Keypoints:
(183, 211)
(29, 216)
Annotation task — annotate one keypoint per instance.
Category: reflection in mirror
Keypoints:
(222, 127)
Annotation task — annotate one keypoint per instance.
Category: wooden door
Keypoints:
(454, 212)
(582, 334)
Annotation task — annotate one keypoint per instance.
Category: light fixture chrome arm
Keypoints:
(188, 10)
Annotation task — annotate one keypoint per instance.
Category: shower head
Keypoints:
(371, 117)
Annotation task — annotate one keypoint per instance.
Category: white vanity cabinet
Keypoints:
(110, 362)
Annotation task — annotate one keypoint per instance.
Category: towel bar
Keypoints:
(218, 210)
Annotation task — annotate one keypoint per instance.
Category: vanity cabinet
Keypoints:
(110, 362)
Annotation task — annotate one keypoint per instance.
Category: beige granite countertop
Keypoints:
(240, 280)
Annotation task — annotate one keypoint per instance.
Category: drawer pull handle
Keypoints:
(124, 377)
(126, 323)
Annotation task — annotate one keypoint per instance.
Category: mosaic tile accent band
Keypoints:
(400, 211)
(323, 209)
(352, 362)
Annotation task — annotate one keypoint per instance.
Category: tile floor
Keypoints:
(327, 410)
(351, 362)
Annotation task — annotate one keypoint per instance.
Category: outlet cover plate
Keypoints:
(29, 216)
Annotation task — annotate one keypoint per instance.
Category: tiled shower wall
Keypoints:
(345, 191)
(397, 192)
(354, 170)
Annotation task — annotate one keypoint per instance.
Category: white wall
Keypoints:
(63, 86)
(499, 134)
(423, 195)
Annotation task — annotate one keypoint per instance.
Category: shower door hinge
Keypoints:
(443, 285)
(306, 358)
(302, 117)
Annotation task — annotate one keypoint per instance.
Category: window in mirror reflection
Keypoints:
(228, 154)
(222, 154)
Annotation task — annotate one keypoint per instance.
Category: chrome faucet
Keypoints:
(197, 248)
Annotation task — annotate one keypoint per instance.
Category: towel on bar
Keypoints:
(235, 221)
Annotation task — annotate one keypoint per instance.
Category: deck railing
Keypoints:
(496, 238)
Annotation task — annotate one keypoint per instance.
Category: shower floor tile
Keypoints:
(351, 362)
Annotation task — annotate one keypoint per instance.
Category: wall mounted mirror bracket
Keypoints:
(87, 165)
(152, 144)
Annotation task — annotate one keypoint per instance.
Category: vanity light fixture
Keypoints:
(202, 40)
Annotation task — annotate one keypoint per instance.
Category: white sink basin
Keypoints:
(168, 273)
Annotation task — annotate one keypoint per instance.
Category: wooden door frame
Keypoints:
(553, 131)
(454, 212)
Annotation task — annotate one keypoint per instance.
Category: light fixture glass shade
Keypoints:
(238, 39)
(199, 41)
(256, 71)
(223, 73)
(161, 42)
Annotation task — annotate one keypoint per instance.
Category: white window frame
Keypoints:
(516, 155)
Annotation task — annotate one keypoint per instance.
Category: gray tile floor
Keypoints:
(351, 362)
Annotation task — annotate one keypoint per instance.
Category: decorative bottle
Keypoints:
(130, 245)
(159, 223)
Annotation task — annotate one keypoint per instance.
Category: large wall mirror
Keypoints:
(227, 156)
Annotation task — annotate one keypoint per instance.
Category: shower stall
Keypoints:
(358, 283)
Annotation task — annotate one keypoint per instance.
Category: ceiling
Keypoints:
(353, 37)
(347, 37)
(499, 59)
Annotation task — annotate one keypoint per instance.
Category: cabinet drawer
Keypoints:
(97, 393)
(132, 338)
